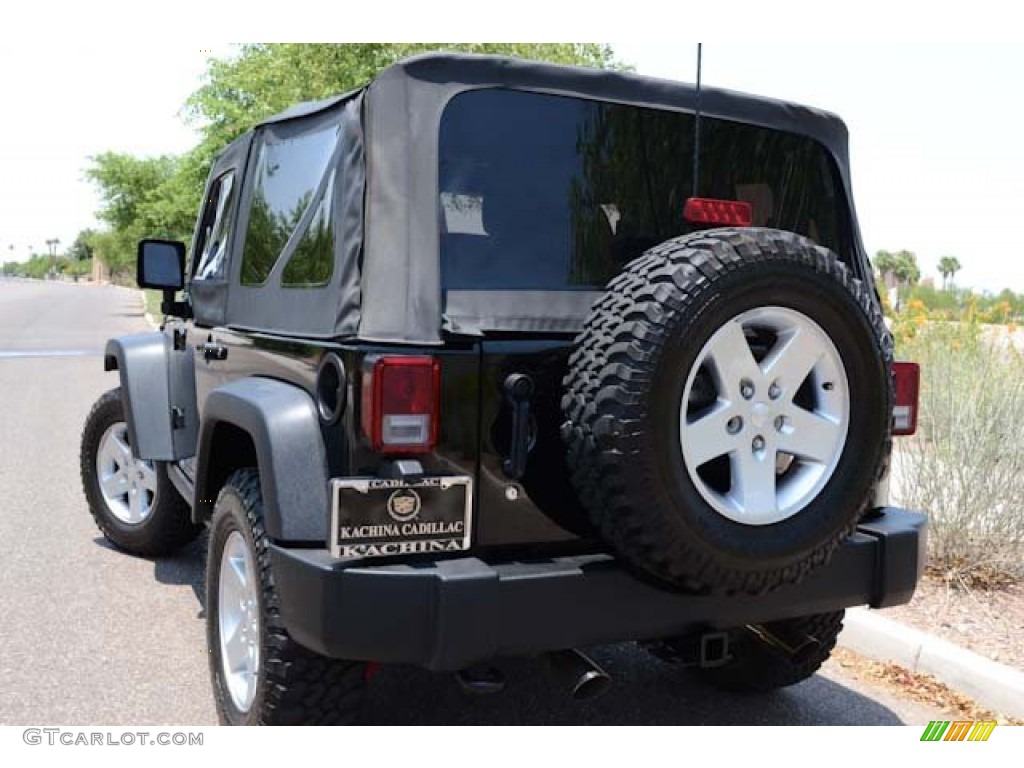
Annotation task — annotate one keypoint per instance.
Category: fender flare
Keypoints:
(141, 360)
(281, 420)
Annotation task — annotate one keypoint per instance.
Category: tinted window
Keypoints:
(540, 191)
(313, 260)
(216, 227)
(287, 174)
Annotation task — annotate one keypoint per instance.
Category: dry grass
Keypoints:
(966, 464)
(917, 686)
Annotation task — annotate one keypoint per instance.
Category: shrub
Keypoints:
(965, 466)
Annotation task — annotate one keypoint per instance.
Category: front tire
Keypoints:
(133, 502)
(260, 675)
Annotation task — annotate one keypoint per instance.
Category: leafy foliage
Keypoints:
(41, 266)
(902, 265)
(140, 198)
(82, 248)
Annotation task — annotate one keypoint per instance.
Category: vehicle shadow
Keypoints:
(645, 692)
(184, 568)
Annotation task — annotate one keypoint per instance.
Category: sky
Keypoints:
(938, 166)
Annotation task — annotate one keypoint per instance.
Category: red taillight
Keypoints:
(907, 380)
(703, 210)
(400, 403)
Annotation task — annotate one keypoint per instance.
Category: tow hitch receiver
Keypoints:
(706, 650)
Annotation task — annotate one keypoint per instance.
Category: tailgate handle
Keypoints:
(518, 392)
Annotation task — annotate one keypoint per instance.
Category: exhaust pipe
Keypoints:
(798, 648)
(481, 680)
(586, 680)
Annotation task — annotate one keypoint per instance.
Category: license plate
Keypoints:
(374, 517)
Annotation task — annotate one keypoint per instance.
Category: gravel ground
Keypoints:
(987, 621)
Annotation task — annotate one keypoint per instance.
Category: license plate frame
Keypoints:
(380, 517)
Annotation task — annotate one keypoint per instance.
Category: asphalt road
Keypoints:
(92, 636)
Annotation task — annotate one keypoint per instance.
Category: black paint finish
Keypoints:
(475, 427)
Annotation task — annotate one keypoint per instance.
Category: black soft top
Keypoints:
(386, 284)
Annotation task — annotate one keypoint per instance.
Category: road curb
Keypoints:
(995, 685)
(147, 315)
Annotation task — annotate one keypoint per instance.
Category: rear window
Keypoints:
(552, 193)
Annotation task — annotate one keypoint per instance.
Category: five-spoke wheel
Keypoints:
(239, 621)
(779, 415)
(128, 484)
(132, 500)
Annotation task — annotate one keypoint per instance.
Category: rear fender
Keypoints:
(282, 424)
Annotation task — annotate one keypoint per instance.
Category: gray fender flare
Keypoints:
(158, 392)
(141, 360)
(282, 422)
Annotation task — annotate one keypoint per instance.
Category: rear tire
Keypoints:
(289, 684)
(133, 502)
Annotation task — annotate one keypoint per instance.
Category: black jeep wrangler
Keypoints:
(493, 357)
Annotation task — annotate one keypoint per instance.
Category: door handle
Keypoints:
(518, 391)
(213, 352)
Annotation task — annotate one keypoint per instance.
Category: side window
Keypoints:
(287, 174)
(312, 262)
(215, 229)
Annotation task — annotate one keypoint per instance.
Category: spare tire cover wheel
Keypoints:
(727, 409)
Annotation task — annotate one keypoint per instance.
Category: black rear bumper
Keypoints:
(450, 614)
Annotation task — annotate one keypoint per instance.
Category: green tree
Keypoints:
(81, 249)
(907, 270)
(885, 263)
(137, 201)
(948, 267)
(902, 265)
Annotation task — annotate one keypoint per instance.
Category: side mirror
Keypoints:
(161, 265)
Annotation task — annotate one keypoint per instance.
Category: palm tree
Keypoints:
(948, 267)
(907, 271)
(885, 263)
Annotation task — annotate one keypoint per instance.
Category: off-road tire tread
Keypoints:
(301, 687)
(605, 402)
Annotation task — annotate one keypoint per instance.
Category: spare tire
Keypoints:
(728, 409)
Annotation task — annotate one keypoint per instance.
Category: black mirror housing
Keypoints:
(161, 265)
